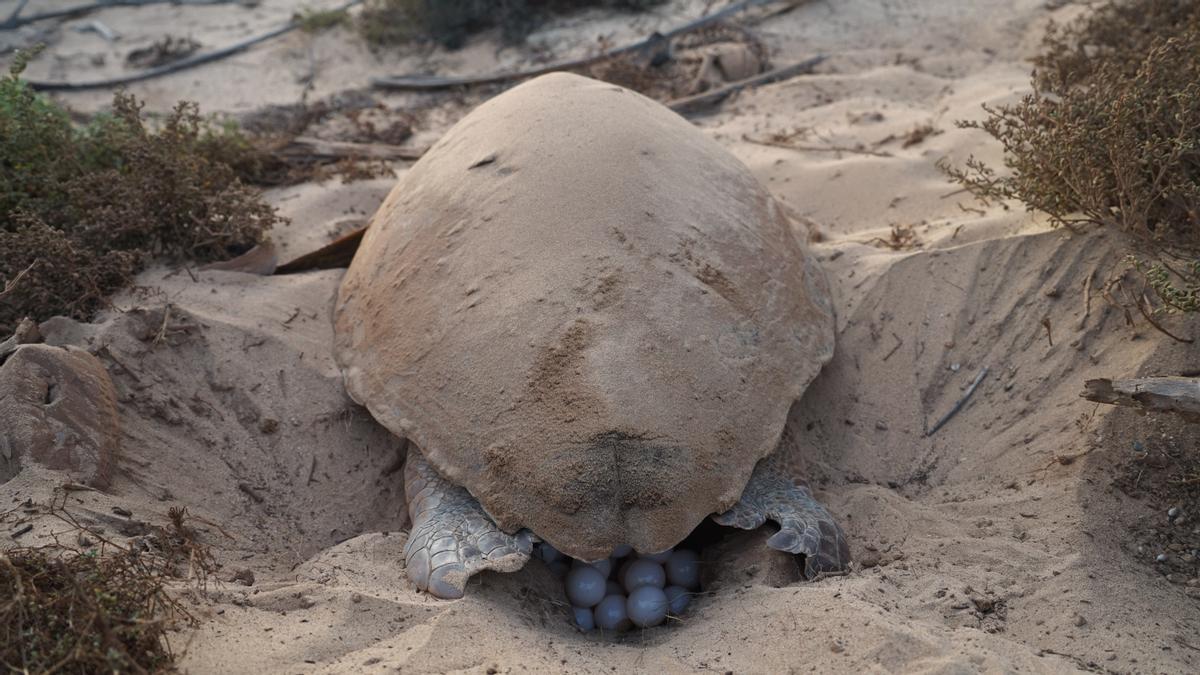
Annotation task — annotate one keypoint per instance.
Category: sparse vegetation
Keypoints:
(95, 606)
(82, 209)
(1111, 135)
(449, 22)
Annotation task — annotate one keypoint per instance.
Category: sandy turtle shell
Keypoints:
(587, 313)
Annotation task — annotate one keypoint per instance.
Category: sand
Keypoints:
(977, 549)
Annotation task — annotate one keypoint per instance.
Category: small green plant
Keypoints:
(1111, 134)
(1179, 290)
(82, 209)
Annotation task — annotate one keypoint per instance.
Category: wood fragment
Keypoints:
(1046, 324)
(960, 403)
(1178, 395)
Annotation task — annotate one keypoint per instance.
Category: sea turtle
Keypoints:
(590, 321)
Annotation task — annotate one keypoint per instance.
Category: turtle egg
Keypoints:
(610, 614)
(583, 618)
(683, 569)
(659, 558)
(678, 598)
(647, 606)
(585, 586)
(643, 572)
(604, 565)
(622, 551)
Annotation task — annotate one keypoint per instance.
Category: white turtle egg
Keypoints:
(585, 586)
(622, 551)
(604, 565)
(659, 558)
(683, 569)
(584, 619)
(678, 599)
(647, 606)
(611, 614)
(643, 572)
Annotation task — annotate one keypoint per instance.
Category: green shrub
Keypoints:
(82, 209)
(1111, 134)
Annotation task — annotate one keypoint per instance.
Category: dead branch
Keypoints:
(11, 284)
(1179, 395)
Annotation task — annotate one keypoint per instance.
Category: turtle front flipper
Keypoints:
(806, 527)
(452, 537)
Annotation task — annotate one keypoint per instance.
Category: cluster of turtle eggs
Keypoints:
(626, 589)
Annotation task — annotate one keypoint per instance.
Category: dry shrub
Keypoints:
(449, 22)
(1111, 135)
(100, 608)
(80, 613)
(83, 209)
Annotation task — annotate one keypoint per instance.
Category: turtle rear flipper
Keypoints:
(452, 538)
(805, 526)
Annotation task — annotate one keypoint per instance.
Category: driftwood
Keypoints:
(649, 44)
(1179, 395)
(321, 149)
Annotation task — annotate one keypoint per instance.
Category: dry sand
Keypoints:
(977, 551)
